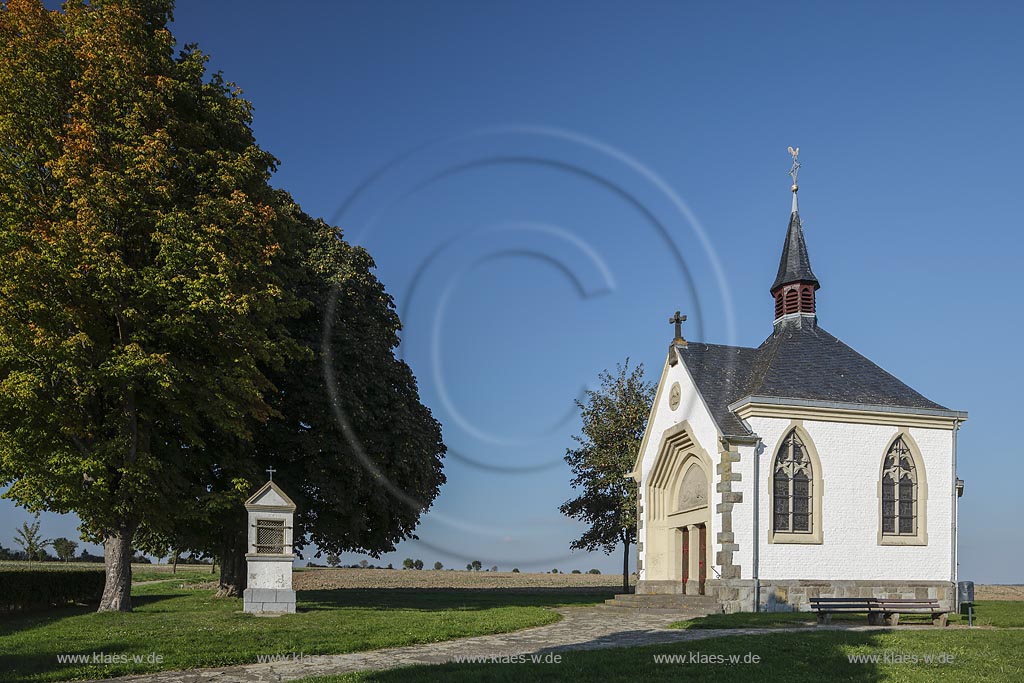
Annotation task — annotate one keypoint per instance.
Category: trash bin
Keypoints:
(965, 597)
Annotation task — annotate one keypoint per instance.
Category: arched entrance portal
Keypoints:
(690, 521)
(677, 496)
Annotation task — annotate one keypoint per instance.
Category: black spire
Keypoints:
(795, 265)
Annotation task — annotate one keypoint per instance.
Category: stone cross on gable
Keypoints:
(270, 471)
(678, 320)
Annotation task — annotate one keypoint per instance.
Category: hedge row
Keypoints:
(34, 588)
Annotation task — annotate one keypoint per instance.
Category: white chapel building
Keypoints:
(796, 469)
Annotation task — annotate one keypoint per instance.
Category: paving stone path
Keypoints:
(582, 628)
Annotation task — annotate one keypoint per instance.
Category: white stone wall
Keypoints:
(743, 513)
(850, 457)
(267, 573)
(692, 409)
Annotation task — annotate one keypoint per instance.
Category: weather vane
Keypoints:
(796, 166)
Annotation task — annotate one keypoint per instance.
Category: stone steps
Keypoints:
(674, 611)
(690, 605)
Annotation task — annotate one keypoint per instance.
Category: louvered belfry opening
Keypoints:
(796, 297)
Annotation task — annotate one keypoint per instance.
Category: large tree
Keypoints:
(350, 441)
(614, 420)
(143, 258)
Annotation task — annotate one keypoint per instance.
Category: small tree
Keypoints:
(333, 560)
(576, 571)
(30, 540)
(594, 571)
(418, 564)
(408, 563)
(477, 565)
(614, 421)
(364, 563)
(64, 547)
(515, 570)
(438, 566)
(554, 571)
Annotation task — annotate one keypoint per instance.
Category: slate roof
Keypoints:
(721, 374)
(795, 265)
(799, 361)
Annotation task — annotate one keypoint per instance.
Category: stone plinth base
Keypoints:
(792, 595)
(734, 595)
(269, 600)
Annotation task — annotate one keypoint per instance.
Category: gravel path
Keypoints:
(582, 628)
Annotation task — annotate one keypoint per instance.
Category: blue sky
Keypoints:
(542, 185)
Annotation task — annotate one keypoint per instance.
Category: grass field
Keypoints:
(355, 610)
(978, 656)
(190, 629)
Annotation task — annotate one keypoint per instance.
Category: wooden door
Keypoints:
(702, 565)
(686, 556)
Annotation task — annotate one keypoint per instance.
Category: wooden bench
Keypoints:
(879, 610)
(891, 610)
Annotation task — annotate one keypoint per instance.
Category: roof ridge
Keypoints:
(720, 346)
(761, 365)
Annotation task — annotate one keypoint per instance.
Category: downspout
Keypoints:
(757, 532)
(954, 511)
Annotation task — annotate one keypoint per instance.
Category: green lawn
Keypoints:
(978, 656)
(190, 628)
(999, 613)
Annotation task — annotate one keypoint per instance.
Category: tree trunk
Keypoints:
(625, 566)
(232, 563)
(174, 563)
(117, 561)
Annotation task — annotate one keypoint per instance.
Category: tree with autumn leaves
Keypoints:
(159, 300)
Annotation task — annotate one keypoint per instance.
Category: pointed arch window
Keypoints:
(793, 487)
(900, 491)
